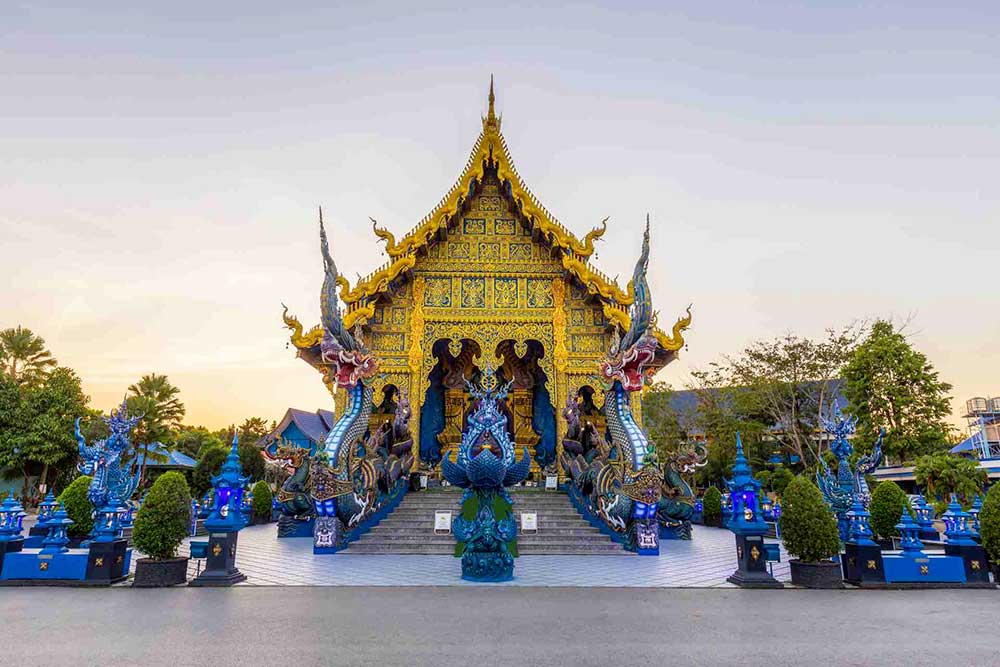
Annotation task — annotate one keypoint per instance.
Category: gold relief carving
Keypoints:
(438, 293)
(473, 293)
(871, 565)
(505, 292)
(455, 347)
(389, 342)
(398, 316)
(587, 343)
(299, 340)
(578, 317)
(459, 250)
(474, 226)
(596, 283)
(676, 341)
(559, 323)
(539, 293)
(489, 203)
(925, 569)
(489, 252)
(417, 323)
(504, 227)
(520, 252)
(358, 315)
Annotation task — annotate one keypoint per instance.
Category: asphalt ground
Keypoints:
(480, 627)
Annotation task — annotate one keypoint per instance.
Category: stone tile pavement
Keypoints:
(703, 562)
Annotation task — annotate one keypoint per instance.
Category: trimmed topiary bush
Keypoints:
(262, 501)
(164, 519)
(78, 506)
(989, 524)
(888, 503)
(808, 529)
(711, 505)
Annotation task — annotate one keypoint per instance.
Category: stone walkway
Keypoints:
(703, 562)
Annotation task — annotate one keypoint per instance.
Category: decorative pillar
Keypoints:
(224, 524)
(560, 356)
(748, 525)
(862, 561)
(416, 364)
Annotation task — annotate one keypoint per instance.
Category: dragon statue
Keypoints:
(350, 479)
(486, 531)
(294, 503)
(619, 481)
(841, 490)
(113, 481)
(676, 505)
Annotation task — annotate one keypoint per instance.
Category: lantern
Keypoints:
(227, 496)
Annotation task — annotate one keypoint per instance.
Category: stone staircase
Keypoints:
(410, 528)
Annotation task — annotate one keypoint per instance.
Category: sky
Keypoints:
(804, 166)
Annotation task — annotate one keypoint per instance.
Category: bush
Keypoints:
(164, 519)
(888, 503)
(989, 524)
(711, 505)
(808, 529)
(251, 461)
(262, 500)
(78, 506)
(209, 465)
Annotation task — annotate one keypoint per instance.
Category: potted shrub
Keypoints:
(261, 502)
(163, 521)
(989, 528)
(886, 508)
(79, 509)
(712, 507)
(809, 532)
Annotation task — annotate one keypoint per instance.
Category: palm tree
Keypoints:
(159, 403)
(23, 356)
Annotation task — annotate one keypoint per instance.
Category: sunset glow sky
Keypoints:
(803, 167)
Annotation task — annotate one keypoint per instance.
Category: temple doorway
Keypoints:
(447, 403)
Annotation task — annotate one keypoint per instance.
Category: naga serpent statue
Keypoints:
(841, 490)
(293, 497)
(113, 482)
(486, 531)
(344, 478)
(676, 506)
(621, 484)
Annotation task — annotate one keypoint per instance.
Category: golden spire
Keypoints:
(491, 122)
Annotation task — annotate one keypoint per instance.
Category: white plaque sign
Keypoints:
(551, 482)
(529, 521)
(442, 520)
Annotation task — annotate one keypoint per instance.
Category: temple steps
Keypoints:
(561, 530)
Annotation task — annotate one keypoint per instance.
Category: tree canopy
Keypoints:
(158, 401)
(890, 385)
(24, 357)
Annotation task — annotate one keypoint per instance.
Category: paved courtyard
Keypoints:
(703, 562)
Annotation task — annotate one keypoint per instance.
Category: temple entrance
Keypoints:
(447, 403)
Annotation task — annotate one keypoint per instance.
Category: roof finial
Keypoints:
(491, 121)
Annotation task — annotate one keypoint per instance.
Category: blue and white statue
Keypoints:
(113, 481)
(486, 530)
(841, 490)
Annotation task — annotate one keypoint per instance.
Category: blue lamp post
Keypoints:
(925, 519)
(11, 526)
(748, 524)
(55, 542)
(46, 509)
(224, 523)
(862, 562)
(977, 506)
(960, 542)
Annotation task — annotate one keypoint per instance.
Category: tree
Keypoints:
(253, 429)
(164, 519)
(890, 385)
(191, 440)
(943, 474)
(252, 461)
(989, 525)
(24, 357)
(209, 465)
(787, 382)
(159, 403)
(36, 424)
(808, 529)
(887, 505)
(660, 419)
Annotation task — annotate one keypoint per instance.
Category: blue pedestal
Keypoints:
(928, 569)
(291, 527)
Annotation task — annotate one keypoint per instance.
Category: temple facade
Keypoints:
(488, 278)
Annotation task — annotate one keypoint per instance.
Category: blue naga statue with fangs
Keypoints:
(619, 480)
(353, 478)
(840, 491)
(113, 482)
(486, 531)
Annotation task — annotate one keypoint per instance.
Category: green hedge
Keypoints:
(711, 505)
(78, 506)
(989, 523)
(886, 508)
(808, 528)
(164, 519)
(262, 500)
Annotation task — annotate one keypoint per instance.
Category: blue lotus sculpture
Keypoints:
(486, 532)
